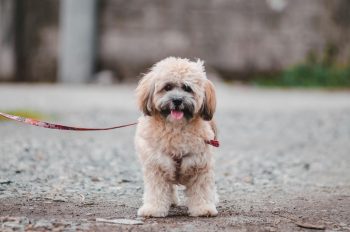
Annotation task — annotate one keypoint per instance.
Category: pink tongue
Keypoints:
(177, 114)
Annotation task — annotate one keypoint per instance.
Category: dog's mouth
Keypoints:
(177, 114)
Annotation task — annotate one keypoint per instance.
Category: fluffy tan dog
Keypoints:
(178, 102)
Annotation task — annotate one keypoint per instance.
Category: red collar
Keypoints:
(213, 142)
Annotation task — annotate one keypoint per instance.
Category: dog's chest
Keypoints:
(183, 154)
(177, 143)
(188, 167)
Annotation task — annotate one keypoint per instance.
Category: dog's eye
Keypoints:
(187, 88)
(168, 87)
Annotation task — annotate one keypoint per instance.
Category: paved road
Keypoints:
(284, 163)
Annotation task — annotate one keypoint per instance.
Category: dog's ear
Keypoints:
(144, 94)
(209, 104)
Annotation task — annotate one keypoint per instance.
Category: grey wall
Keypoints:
(33, 39)
(234, 37)
(7, 43)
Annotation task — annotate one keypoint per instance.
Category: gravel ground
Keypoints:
(284, 163)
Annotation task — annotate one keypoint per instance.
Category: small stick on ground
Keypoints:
(305, 225)
(310, 226)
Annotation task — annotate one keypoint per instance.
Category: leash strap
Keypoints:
(48, 125)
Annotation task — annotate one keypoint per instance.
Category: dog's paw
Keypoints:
(151, 211)
(208, 210)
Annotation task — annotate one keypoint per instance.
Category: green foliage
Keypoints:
(309, 75)
(26, 114)
(314, 72)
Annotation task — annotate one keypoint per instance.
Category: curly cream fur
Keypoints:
(161, 142)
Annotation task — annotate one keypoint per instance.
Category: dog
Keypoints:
(178, 103)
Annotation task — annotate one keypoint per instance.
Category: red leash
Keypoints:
(38, 123)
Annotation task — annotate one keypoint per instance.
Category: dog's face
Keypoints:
(178, 90)
(175, 99)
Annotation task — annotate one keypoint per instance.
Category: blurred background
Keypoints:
(284, 155)
(267, 42)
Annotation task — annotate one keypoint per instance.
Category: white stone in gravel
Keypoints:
(120, 221)
(13, 225)
(43, 224)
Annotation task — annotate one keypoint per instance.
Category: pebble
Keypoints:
(4, 182)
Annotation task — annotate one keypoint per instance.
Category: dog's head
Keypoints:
(177, 89)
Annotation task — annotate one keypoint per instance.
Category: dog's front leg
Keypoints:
(201, 195)
(158, 194)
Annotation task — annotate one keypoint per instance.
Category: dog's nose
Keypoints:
(177, 101)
